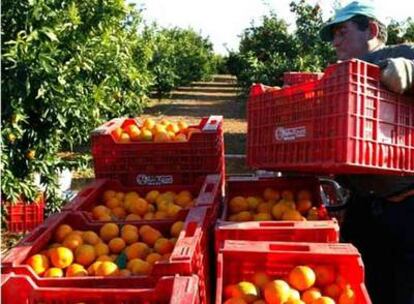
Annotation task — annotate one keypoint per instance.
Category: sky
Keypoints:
(223, 21)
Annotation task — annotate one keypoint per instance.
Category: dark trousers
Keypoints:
(383, 232)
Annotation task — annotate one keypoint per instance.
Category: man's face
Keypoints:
(350, 42)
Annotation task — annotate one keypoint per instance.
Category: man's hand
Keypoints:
(397, 75)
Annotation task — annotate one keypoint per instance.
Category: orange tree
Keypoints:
(180, 56)
(66, 67)
(269, 49)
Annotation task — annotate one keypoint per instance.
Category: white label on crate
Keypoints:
(154, 180)
(285, 134)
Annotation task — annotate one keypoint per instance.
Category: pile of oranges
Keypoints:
(114, 251)
(152, 131)
(320, 284)
(131, 206)
(275, 205)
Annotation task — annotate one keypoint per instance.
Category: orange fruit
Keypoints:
(244, 216)
(107, 269)
(270, 194)
(93, 267)
(129, 234)
(124, 138)
(149, 216)
(137, 250)
(38, 262)
(253, 202)
(238, 204)
(260, 279)
(262, 217)
(104, 258)
(119, 212)
(264, 208)
(248, 291)
(160, 215)
(149, 235)
(76, 270)
(138, 206)
(61, 257)
(311, 295)
(146, 135)
(108, 194)
(90, 237)
(294, 301)
(292, 215)
(301, 277)
(287, 195)
(182, 125)
(277, 292)
(294, 295)
(332, 290)
(116, 245)
(153, 257)
(124, 273)
(73, 240)
(85, 254)
(140, 267)
(325, 275)
(347, 296)
(176, 228)
(116, 134)
(133, 132)
(324, 300)
(61, 232)
(101, 249)
(151, 196)
(232, 291)
(105, 218)
(163, 246)
(303, 206)
(109, 231)
(278, 210)
(133, 217)
(173, 127)
(53, 272)
(180, 137)
(149, 123)
(113, 202)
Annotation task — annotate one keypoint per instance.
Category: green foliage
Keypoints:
(180, 57)
(268, 50)
(66, 68)
(400, 32)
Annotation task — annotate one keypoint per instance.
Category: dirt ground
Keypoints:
(221, 96)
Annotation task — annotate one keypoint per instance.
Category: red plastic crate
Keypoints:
(299, 231)
(149, 163)
(21, 289)
(190, 255)
(292, 78)
(344, 123)
(205, 190)
(24, 216)
(239, 260)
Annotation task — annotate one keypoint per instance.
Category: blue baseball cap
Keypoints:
(366, 8)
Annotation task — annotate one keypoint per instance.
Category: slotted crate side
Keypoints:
(20, 289)
(24, 216)
(344, 123)
(292, 78)
(239, 260)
